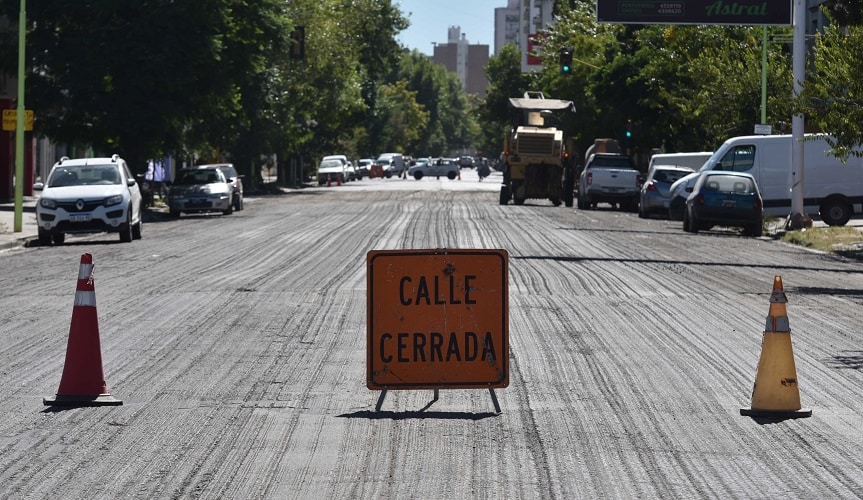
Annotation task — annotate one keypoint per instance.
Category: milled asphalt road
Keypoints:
(238, 346)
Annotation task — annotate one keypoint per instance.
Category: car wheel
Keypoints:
(753, 230)
(58, 238)
(693, 223)
(174, 213)
(229, 210)
(418, 175)
(137, 230)
(835, 212)
(238, 204)
(518, 201)
(581, 204)
(44, 238)
(451, 175)
(126, 229)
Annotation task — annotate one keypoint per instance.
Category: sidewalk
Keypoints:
(29, 230)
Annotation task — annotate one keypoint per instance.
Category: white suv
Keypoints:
(88, 195)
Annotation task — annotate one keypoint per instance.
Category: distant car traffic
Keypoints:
(437, 167)
(331, 170)
(655, 192)
(350, 171)
(364, 166)
(89, 195)
(234, 178)
(726, 199)
(201, 190)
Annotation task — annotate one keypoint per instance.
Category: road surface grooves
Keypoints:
(238, 347)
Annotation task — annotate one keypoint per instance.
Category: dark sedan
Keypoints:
(726, 199)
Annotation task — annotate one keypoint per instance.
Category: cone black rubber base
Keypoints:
(101, 400)
(777, 414)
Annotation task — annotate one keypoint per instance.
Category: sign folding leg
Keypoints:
(436, 396)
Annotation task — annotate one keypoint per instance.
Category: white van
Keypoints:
(394, 164)
(832, 189)
(689, 160)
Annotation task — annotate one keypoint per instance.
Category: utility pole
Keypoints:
(798, 219)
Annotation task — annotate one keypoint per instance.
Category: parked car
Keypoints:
(234, 178)
(655, 192)
(331, 170)
(436, 167)
(350, 171)
(364, 166)
(89, 195)
(724, 198)
(611, 178)
(393, 163)
(677, 194)
(201, 190)
(465, 162)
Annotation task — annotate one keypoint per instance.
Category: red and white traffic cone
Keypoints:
(329, 182)
(83, 381)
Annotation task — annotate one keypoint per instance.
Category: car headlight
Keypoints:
(113, 200)
(48, 203)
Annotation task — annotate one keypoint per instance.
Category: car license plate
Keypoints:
(729, 203)
(80, 218)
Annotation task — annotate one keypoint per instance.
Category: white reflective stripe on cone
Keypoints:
(85, 271)
(85, 299)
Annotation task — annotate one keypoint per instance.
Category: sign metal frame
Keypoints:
(437, 319)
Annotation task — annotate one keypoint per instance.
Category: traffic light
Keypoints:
(298, 43)
(629, 129)
(566, 61)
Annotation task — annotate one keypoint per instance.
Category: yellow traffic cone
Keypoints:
(775, 394)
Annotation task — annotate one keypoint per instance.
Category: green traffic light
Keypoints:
(566, 69)
(628, 134)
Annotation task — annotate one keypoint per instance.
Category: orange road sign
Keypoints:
(438, 319)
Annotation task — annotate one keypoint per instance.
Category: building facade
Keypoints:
(467, 61)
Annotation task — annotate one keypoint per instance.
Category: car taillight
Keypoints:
(589, 178)
(651, 187)
(698, 200)
(757, 205)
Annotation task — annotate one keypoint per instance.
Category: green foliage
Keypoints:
(682, 88)
(403, 117)
(505, 81)
(833, 93)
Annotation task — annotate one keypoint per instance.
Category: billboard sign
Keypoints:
(730, 12)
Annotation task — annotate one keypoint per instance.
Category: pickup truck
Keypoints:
(610, 178)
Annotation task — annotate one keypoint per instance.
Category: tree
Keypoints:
(505, 81)
(133, 78)
(832, 97)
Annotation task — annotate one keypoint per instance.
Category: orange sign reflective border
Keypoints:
(438, 319)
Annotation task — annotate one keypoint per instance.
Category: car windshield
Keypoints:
(612, 162)
(84, 175)
(204, 176)
(669, 175)
(330, 164)
(729, 184)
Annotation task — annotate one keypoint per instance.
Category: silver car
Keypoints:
(202, 189)
(437, 167)
(656, 190)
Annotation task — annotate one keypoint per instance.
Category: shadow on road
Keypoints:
(405, 415)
